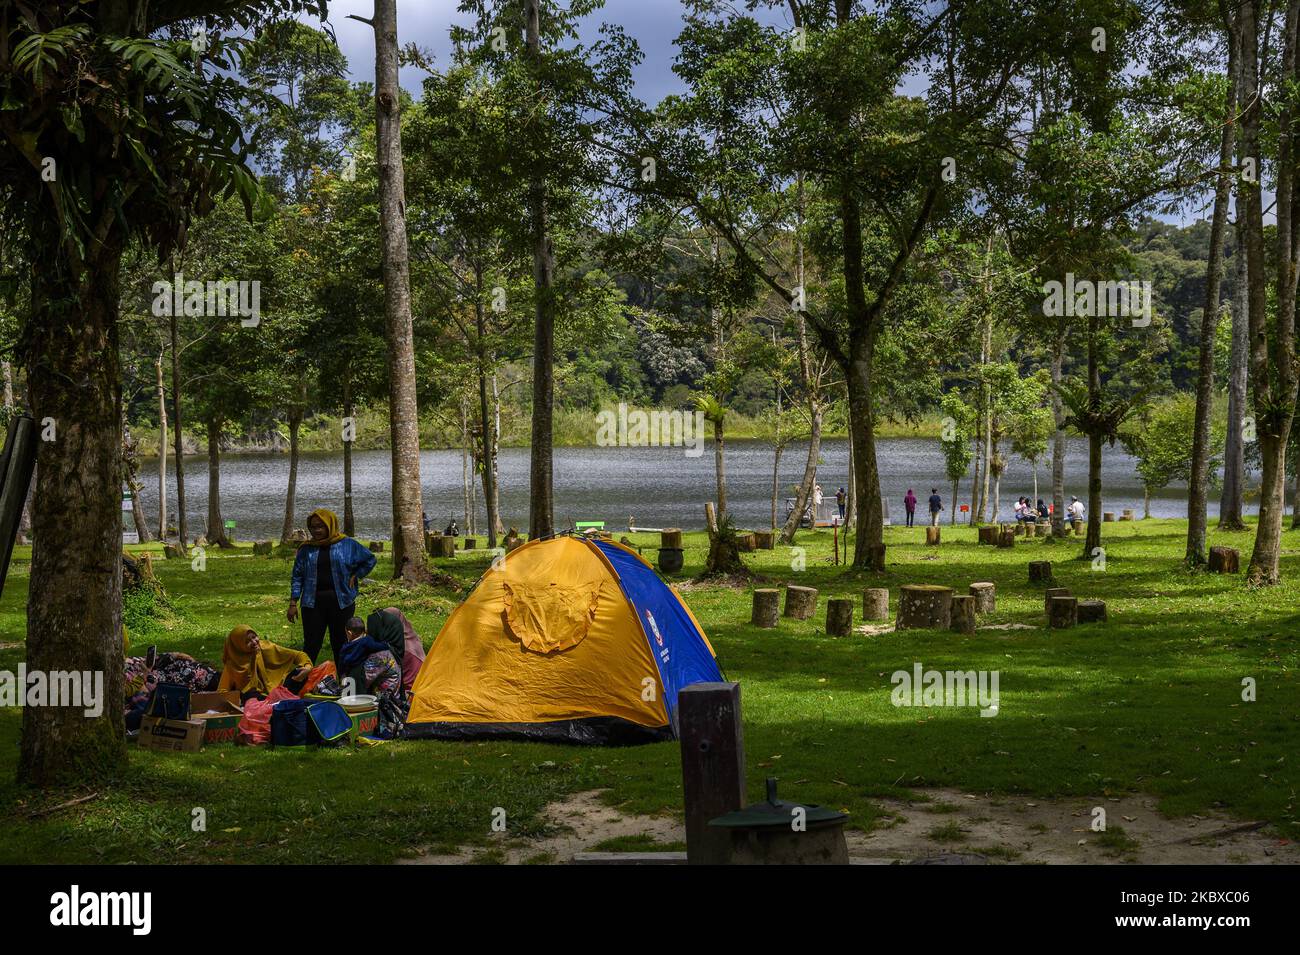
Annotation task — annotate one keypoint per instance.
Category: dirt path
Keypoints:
(997, 828)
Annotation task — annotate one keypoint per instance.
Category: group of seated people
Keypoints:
(381, 657)
(1027, 513)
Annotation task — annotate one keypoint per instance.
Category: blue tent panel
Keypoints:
(679, 649)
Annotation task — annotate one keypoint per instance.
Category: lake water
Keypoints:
(659, 487)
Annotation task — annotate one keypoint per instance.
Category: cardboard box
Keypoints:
(220, 714)
(178, 736)
(364, 722)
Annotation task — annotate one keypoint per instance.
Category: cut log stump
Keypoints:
(1062, 612)
(985, 594)
(470, 543)
(1007, 537)
(765, 540)
(1108, 517)
(1224, 560)
(932, 536)
(1042, 530)
(963, 614)
(1040, 571)
(670, 537)
(1092, 611)
(989, 534)
(924, 607)
(1053, 592)
(839, 616)
(376, 547)
(1126, 514)
(800, 602)
(875, 603)
(263, 549)
(767, 608)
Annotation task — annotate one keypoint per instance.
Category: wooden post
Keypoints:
(1053, 592)
(710, 518)
(1224, 560)
(962, 614)
(985, 594)
(800, 602)
(713, 766)
(875, 603)
(839, 617)
(670, 537)
(767, 608)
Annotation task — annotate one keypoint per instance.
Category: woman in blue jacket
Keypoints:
(325, 575)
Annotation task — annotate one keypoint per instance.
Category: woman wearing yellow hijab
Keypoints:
(325, 575)
(254, 666)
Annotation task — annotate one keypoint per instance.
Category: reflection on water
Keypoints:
(659, 487)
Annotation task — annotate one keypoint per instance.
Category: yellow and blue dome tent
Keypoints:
(566, 639)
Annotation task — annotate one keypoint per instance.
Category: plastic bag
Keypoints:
(255, 727)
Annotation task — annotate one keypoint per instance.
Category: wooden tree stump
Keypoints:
(800, 602)
(985, 594)
(767, 608)
(1007, 537)
(670, 537)
(1062, 612)
(1092, 611)
(765, 540)
(988, 534)
(173, 552)
(963, 614)
(924, 607)
(1108, 517)
(1127, 514)
(470, 543)
(1053, 592)
(376, 547)
(1078, 528)
(932, 536)
(875, 603)
(1040, 571)
(263, 549)
(446, 547)
(1224, 560)
(876, 557)
(746, 543)
(839, 616)
(1042, 530)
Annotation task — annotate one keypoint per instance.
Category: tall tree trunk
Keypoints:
(74, 604)
(291, 493)
(851, 510)
(1093, 540)
(349, 418)
(978, 443)
(1058, 436)
(130, 473)
(809, 481)
(7, 371)
(541, 511)
(1272, 344)
(216, 534)
(1198, 485)
(870, 526)
(720, 465)
(1234, 451)
(487, 443)
(162, 448)
(182, 528)
(956, 485)
(403, 411)
(496, 455)
(466, 472)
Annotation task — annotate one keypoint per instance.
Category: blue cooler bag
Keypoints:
(327, 723)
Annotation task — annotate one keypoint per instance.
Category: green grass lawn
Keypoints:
(1149, 702)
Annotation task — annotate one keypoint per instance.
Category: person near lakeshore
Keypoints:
(1075, 510)
(936, 506)
(841, 501)
(1044, 512)
(909, 505)
(817, 503)
(324, 583)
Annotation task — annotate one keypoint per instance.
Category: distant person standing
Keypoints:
(841, 499)
(817, 502)
(936, 506)
(909, 505)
